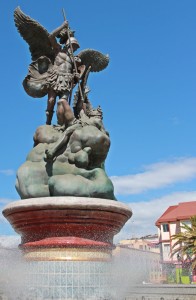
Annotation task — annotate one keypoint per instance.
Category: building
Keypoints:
(141, 255)
(146, 243)
(169, 224)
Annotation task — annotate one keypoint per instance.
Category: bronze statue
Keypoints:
(67, 158)
(55, 70)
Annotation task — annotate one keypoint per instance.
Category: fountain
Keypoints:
(68, 214)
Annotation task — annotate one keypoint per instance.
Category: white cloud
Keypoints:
(156, 176)
(145, 214)
(9, 241)
(7, 172)
(3, 202)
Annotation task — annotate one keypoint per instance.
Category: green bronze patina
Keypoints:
(76, 169)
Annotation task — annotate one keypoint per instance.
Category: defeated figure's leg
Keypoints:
(50, 106)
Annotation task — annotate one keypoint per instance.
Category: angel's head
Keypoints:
(74, 43)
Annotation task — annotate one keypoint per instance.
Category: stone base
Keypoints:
(67, 228)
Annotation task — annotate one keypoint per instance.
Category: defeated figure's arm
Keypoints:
(62, 141)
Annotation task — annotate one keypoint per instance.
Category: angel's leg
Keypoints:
(50, 106)
(65, 115)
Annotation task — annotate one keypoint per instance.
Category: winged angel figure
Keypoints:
(55, 70)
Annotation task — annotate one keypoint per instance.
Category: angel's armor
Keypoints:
(61, 76)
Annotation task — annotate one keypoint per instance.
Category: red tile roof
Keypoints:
(182, 211)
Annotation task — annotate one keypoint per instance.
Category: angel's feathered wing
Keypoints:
(34, 34)
(94, 59)
(37, 37)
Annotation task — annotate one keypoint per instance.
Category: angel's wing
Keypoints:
(94, 58)
(34, 34)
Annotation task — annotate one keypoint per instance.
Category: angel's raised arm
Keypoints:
(56, 31)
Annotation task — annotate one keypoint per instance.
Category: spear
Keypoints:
(72, 54)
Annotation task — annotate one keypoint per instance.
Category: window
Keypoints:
(165, 227)
(166, 249)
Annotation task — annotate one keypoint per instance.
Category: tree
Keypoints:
(186, 241)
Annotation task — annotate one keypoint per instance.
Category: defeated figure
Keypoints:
(69, 163)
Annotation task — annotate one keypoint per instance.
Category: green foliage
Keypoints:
(185, 272)
(171, 278)
(186, 241)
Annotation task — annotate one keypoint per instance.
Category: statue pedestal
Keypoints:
(67, 243)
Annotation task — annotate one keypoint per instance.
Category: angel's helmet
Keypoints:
(74, 43)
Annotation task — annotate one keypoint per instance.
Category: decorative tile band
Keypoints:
(67, 254)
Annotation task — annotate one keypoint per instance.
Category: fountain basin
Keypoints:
(67, 228)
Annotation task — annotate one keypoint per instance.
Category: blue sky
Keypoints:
(147, 93)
